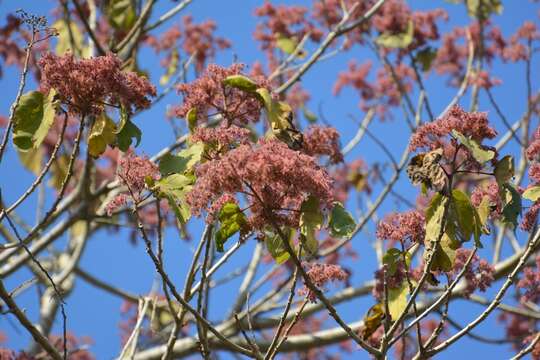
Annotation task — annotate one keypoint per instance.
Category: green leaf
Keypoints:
(391, 259)
(309, 115)
(241, 82)
(275, 246)
(33, 118)
(484, 210)
(467, 217)
(397, 300)
(101, 135)
(434, 217)
(121, 14)
(425, 58)
(191, 119)
(504, 170)
(288, 46)
(482, 9)
(512, 205)
(174, 188)
(397, 41)
(532, 193)
(311, 220)
(171, 69)
(126, 132)
(341, 222)
(476, 150)
(232, 220)
(182, 162)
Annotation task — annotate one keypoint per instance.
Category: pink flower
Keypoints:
(320, 140)
(397, 227)
(221, 136)
(432, 135)
(87, 85)
(116, 203)
(530, 282)
(134, 170)
(530, 218)
(320, 275)
(479, 273)
(208, 94)
(270, 175)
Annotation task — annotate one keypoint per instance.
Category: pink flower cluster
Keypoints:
(221, 136)
(433, 135)
(133, 172)
(406, 226)
(531, 283)
(320, 141)
(274, 178)
(321, 274)
(479, 273)
(516, 50)
(207, 93)
(87, 85)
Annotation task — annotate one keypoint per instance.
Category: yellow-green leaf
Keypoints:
(32, 159)
(101, 135)
(232, 220)
(397, 300)
(434, 217)
(482, 9)
(70, 39)
(341, 222)
(311, 220)
(288, 46)
(504, 170)
(240, 82)
(425, 58)
(372, 320)
(481, 155)
(121, 14)
(512, 205)
(275, 246)
(33, 118)
(532, 193)
(397, 41)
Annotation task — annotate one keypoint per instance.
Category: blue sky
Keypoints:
(110, 256)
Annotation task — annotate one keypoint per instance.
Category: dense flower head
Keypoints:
(530, 218)
(320, 274)
(479, 273)
(520, 330)
(134, 170)
(323, 140)
(530, 282)
(270, 174)
(86, 85)
(207, 93)
(533, 150)
(221, 136)
(472, 124)
(406, 226)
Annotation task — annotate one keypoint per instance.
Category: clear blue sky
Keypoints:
(110, 256)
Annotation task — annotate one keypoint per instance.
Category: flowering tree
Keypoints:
(321, 219)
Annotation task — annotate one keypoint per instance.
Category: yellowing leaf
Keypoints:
(481, 155)
(532, 193)
(33, 118)
(288, 46)
(397, 300)
(70, 39)
(191, 119)
(101, 135)
(434, 217)
(311, 220)
(400, 41)
(341, 222)
(32, 159)
(391, 259)
(174, 188)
